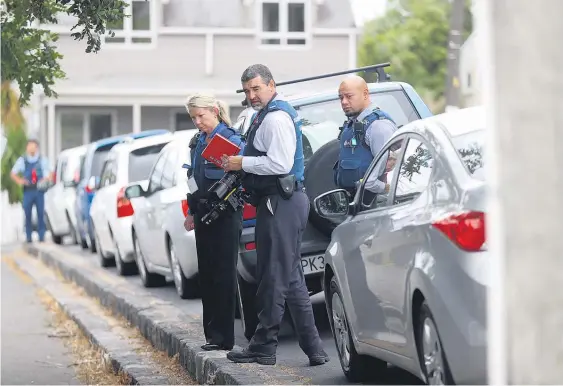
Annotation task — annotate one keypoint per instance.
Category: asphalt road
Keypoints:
(289, 354)
(29, 354)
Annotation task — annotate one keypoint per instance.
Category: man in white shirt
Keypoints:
(273, 165)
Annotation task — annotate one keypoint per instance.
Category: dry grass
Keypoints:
(91, 364)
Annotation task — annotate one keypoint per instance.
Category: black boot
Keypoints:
(246, 356)
(319, 358)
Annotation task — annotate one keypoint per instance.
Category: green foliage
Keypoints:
(415, 42)
(29, 56)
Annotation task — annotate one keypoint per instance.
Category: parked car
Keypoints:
(406, 272)
(321, 116)
(96, 154)
(60, 198)
(111, 212)
(163, 248)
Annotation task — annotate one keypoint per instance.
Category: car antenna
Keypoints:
(379, 69)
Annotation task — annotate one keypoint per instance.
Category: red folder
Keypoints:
(217, 147)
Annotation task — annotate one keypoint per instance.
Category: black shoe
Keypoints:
(246, 356)
(319, 358)
(215, 347)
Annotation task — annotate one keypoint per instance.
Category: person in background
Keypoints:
(217, 243)
(273, 166)
(32, 172)
(363, 135)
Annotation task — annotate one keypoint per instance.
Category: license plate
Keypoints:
(312, 264)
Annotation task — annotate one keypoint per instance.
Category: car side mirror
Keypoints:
(134, 191)
(332, 204)
(93, 183)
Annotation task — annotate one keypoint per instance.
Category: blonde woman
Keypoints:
(216, 243)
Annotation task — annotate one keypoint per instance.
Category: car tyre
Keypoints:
(431, 354)
(356, 367)
(73, 231)
(186, 288)
(56, 239)
(149, 279)
(104, 259)
(246, 297)
(91, 243)
(123, 268)
(318, 180)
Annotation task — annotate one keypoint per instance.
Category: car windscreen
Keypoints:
(470, 147)
(141, 161)
(321, 121)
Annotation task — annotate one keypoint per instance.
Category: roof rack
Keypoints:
(379, 69)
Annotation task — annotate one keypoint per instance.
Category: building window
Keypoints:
(137, 29)
(182, 121)
(283, 22)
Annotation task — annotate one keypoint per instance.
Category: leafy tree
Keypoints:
(29, 56)
(13, 125)
(414, 40)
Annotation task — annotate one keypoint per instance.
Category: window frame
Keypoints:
(359, 195)
(393, 189)
(128, 33)
(283, 34)
(150, 191)
(111, 175)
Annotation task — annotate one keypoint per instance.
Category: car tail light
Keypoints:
(124, 207)
(248, 212)
(250, 246)
(185, 207)
(91, 185)
(54, 176)
(466, 230)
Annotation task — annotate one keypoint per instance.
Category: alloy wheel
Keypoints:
(140, 260)
(341, 334)
(432, 353)
(176, 270)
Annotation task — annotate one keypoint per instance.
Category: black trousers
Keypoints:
(279, 274)
(217, 255)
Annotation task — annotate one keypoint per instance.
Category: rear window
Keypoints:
(470, 147)
(100, 156)
(72, 169)
(141, 161)
(321, 121)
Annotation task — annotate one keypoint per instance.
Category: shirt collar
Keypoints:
(203, 136)
(30, 158)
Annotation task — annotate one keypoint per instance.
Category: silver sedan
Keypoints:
(407, 268)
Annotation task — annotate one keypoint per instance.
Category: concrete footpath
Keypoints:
(164, 325)
(31, 352)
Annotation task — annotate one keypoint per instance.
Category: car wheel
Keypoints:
(105, 261)
(430, 351)
(319, 179)
(149, 279)
(123, 268)
(56, 239)
(356, 367)
(186, 288)
(91, 243)
(73, 231)
(246, 296)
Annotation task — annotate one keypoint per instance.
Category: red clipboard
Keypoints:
(217, 147)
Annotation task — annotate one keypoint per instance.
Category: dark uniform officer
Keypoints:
(32, 171)
(217, 243)
(363, 134)
(273, 167)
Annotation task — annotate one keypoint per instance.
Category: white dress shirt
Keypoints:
(276, 137)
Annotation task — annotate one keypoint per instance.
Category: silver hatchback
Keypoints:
(406, 271)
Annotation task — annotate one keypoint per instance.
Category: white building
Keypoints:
(169, 49)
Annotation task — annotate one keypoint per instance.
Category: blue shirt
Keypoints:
(19, 166)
